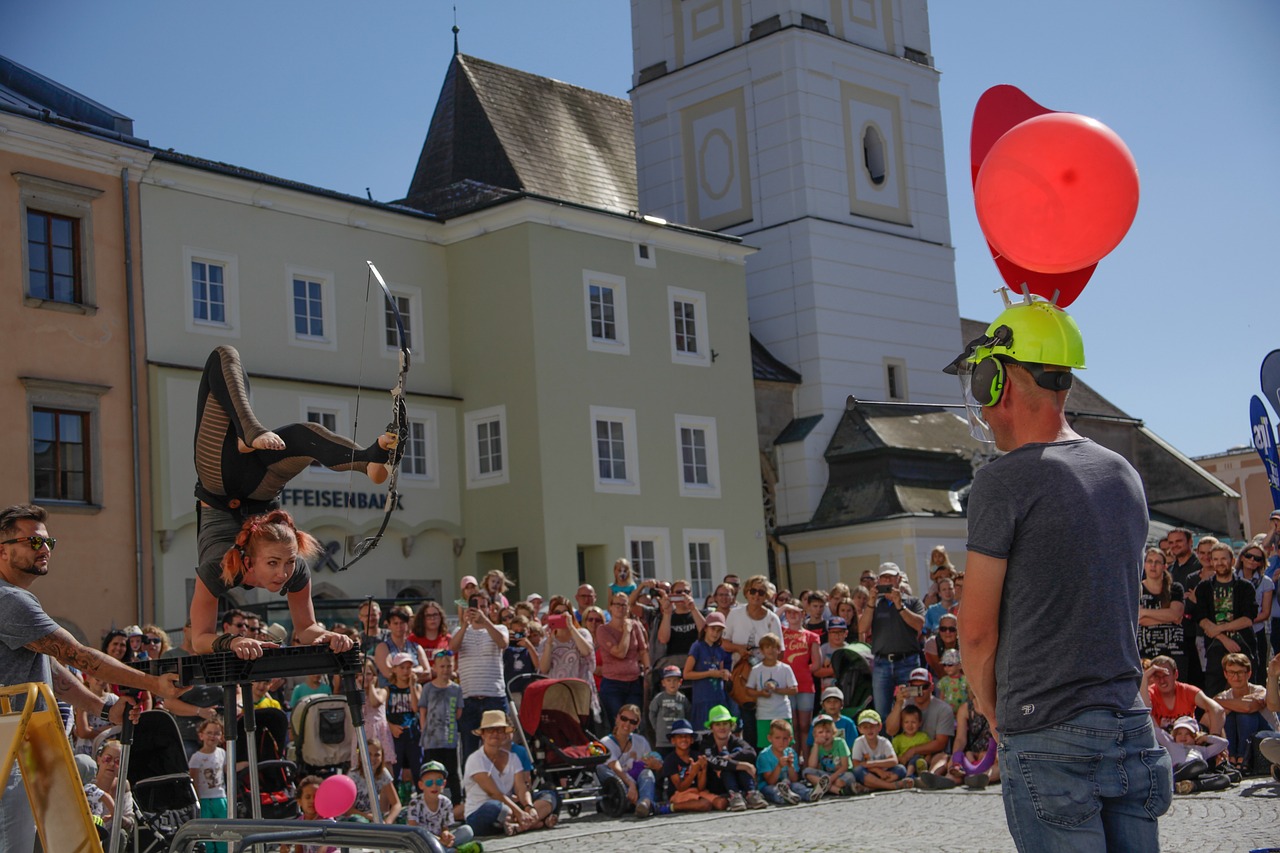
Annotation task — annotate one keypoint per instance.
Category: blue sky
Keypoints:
(1176, 320)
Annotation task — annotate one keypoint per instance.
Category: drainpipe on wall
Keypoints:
(133, 394)
(786, 557)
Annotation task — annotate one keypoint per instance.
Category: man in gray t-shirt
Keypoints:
(34, 648)
(1049, 622)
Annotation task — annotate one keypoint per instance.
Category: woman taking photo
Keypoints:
(1160, 608)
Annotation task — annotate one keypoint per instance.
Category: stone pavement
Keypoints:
(1224, 822)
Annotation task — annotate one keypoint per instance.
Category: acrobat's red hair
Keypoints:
(274, 526)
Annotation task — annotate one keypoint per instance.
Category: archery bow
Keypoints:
(399, 425)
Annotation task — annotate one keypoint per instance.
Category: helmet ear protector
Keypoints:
(989, 376)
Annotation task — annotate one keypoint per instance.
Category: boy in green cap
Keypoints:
(875, 764)
(432, 810)
(731, 762)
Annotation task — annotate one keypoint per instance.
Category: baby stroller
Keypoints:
(554, 715)
(851, 671)
(323, 735)
(164, 797)
(277, 777)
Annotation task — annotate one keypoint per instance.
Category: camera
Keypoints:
(884, 588)
(557, 620)
(912, 691)
(517, 636)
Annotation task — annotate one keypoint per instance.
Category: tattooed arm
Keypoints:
(70, 689)
(65, 649)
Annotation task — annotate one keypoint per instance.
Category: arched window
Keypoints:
(873, 156)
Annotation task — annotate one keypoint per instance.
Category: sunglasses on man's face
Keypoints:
(36, 542)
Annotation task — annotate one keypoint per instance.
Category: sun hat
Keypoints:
(869, 716)
(133, 631)
(720, 714)
(951, 657)
(278, 632)
(493, 720)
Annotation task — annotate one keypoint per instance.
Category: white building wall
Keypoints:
(851, 271)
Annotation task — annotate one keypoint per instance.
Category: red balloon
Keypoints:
(1057, 192)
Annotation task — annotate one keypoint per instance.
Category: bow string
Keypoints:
(399, 426)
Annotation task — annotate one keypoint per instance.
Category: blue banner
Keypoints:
(1265, 443)
(1269, 375)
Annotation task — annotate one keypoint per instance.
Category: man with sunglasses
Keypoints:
(34, 648)
(1057, 528)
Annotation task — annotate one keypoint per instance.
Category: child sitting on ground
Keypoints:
(953, 688)
(667, 707)
(907, 742)
(686, 775)
(875, 764)
(433, 811)
(828, 766)
(1192, 752)
(770, 683)
(778, 768)
(731, 762)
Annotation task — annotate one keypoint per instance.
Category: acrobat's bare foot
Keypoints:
(266, 441)
(388, 440)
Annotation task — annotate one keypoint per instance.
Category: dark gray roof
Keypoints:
(509, 129)
(798, 429)
(1083, 400)
(886, 461)
(28, 93)
(284, 183)
(766, 367)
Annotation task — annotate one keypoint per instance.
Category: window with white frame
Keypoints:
(688, 311)
(208, 292)
(419, 459)
(649, 553)
(327, 418)
(487, 460)
(311, 314)
(212, 292)
(613, 435)
(404, 305)
(704, 560)
(698, 456)
(605, 302)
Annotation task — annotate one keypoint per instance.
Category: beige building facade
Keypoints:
(72, 322)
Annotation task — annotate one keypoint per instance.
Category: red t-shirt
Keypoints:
(1184, 703)
(796, 651)
(431, 646)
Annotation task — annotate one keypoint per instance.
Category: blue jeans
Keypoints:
(1240, 729)
(17, 824)
(886, 675)
(1095, 782)
(646, 783)
(491, 817)
(615, 694)
(473, 709)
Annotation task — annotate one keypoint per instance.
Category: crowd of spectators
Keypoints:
(731, 702)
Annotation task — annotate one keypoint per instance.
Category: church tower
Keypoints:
(812, 130)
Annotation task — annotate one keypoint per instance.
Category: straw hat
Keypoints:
(493, 720)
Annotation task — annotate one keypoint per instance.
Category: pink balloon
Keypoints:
(335, 796)
(1057, 192)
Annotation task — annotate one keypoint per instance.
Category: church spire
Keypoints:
(455, 30)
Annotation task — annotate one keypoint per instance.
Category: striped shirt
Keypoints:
(480, 663)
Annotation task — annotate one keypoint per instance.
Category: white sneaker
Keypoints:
(736, 803)
(789, 796)
(819, 788)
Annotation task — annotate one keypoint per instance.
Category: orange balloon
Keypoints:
(1057, 192)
